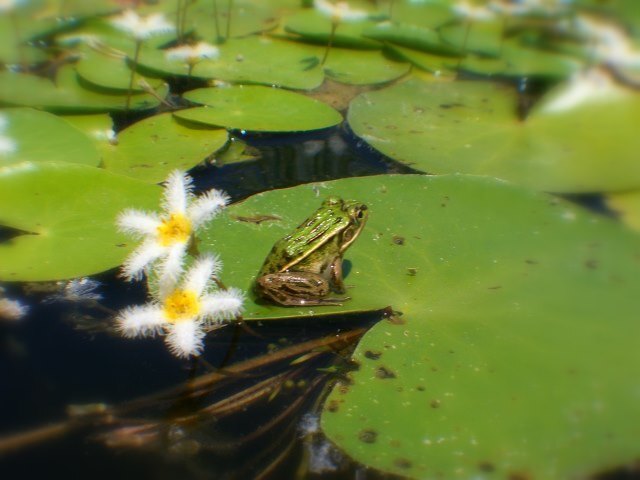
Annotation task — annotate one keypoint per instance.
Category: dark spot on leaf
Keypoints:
(371, 355)
(591, 263)
(420, 388)
(368, 436)
(121, 244)
(258, 219)
(412, 272)
(384, 373)
(402, 463)
(395, 443)
(333, 406)
(531, 261)
(399, 389)
(625, 472)
(446, 106)
(487, 467)
(418, 109)
(343, 389)
(519, 476)
(397, 240)
(495, 287)
(435, 403)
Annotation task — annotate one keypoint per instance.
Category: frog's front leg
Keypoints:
(296, 288)
(337, 282)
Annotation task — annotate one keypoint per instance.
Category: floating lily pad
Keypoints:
(243, 19)
(426, 14)
(627, 205)
(68, 215)
(40, 136)
(472, 127)
(258, 109)
(99, 127)
(363, 67)
(426, 61)
(110, 73)
(315, 27)
(412, 36)
(493, 354)
(290, 65)
(484, 38)
(66, 96)
(148, 150)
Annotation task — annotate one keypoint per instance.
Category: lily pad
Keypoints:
(66, 95)
(484, 38)
(428, 62)
(40, 136)
(491, 366)
(291, 65)
(472, 127)
(627, 205)
(363, 67)
(67, 213)
(258, 109)
(426, 14)
(149, 149)
(412, 36)
(315, 27)
(245, 18)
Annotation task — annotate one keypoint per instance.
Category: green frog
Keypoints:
(304, 267)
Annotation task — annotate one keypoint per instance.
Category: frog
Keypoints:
(305, 267)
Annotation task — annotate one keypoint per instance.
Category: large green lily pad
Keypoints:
(412, 36)
(40, 136)
(258, 109)
(363, 67)
(66, 95)
(148, 150)
(472, 127)
(516, 351)
(627, 205)
(67, 213)
(315, 27)
(291, 65)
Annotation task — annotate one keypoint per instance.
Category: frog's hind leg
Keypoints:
(292, 289)
(337, 283)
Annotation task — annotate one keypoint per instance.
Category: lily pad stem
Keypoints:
(179, 20)
(229, 7)
(467, 29)
(334, 26)
(136, 55)
(216, 23)
(16, 34)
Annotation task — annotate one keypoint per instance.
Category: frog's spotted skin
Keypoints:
(304, 267)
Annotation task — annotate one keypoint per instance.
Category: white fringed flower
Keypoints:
(339, 11)
(8, 5)
(192, 54)
(166, 236)
(12, 309)
(593, 86)
(7, 145)
(183, 313)
(610, 43)
(472, 11)
(142, 28)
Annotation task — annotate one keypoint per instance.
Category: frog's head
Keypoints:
(358, 213)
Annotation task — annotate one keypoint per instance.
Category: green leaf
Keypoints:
(40, 136)
(245, 18)
(66, 95)
(431, 14)
(258, 109)
(151, 148)
(290, 65)
(472, 127)
(363, 67)
(627, 206)
(412, 36)
(315, 27)
(68, 215)
(516, 351)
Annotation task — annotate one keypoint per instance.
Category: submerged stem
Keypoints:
(334, 26)
(136, 55)
(216, 23)
(229, 7)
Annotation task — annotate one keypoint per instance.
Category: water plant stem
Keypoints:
(133, 67)
(467, 29)
(229, 7)
(22, 58)
(216, 22)
(179, 11)
(334, 26)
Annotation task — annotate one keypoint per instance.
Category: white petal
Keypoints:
(199, 275)
(143, 321)
(177, 192)
(206, 206)
(171, 268)
(185, 338)
(7, 145)
(141, 258)
(222, 305)
(137, 222)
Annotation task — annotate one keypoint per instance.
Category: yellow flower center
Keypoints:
(180, 305)
(176, 229)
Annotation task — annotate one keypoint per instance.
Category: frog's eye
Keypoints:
(361, 210)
